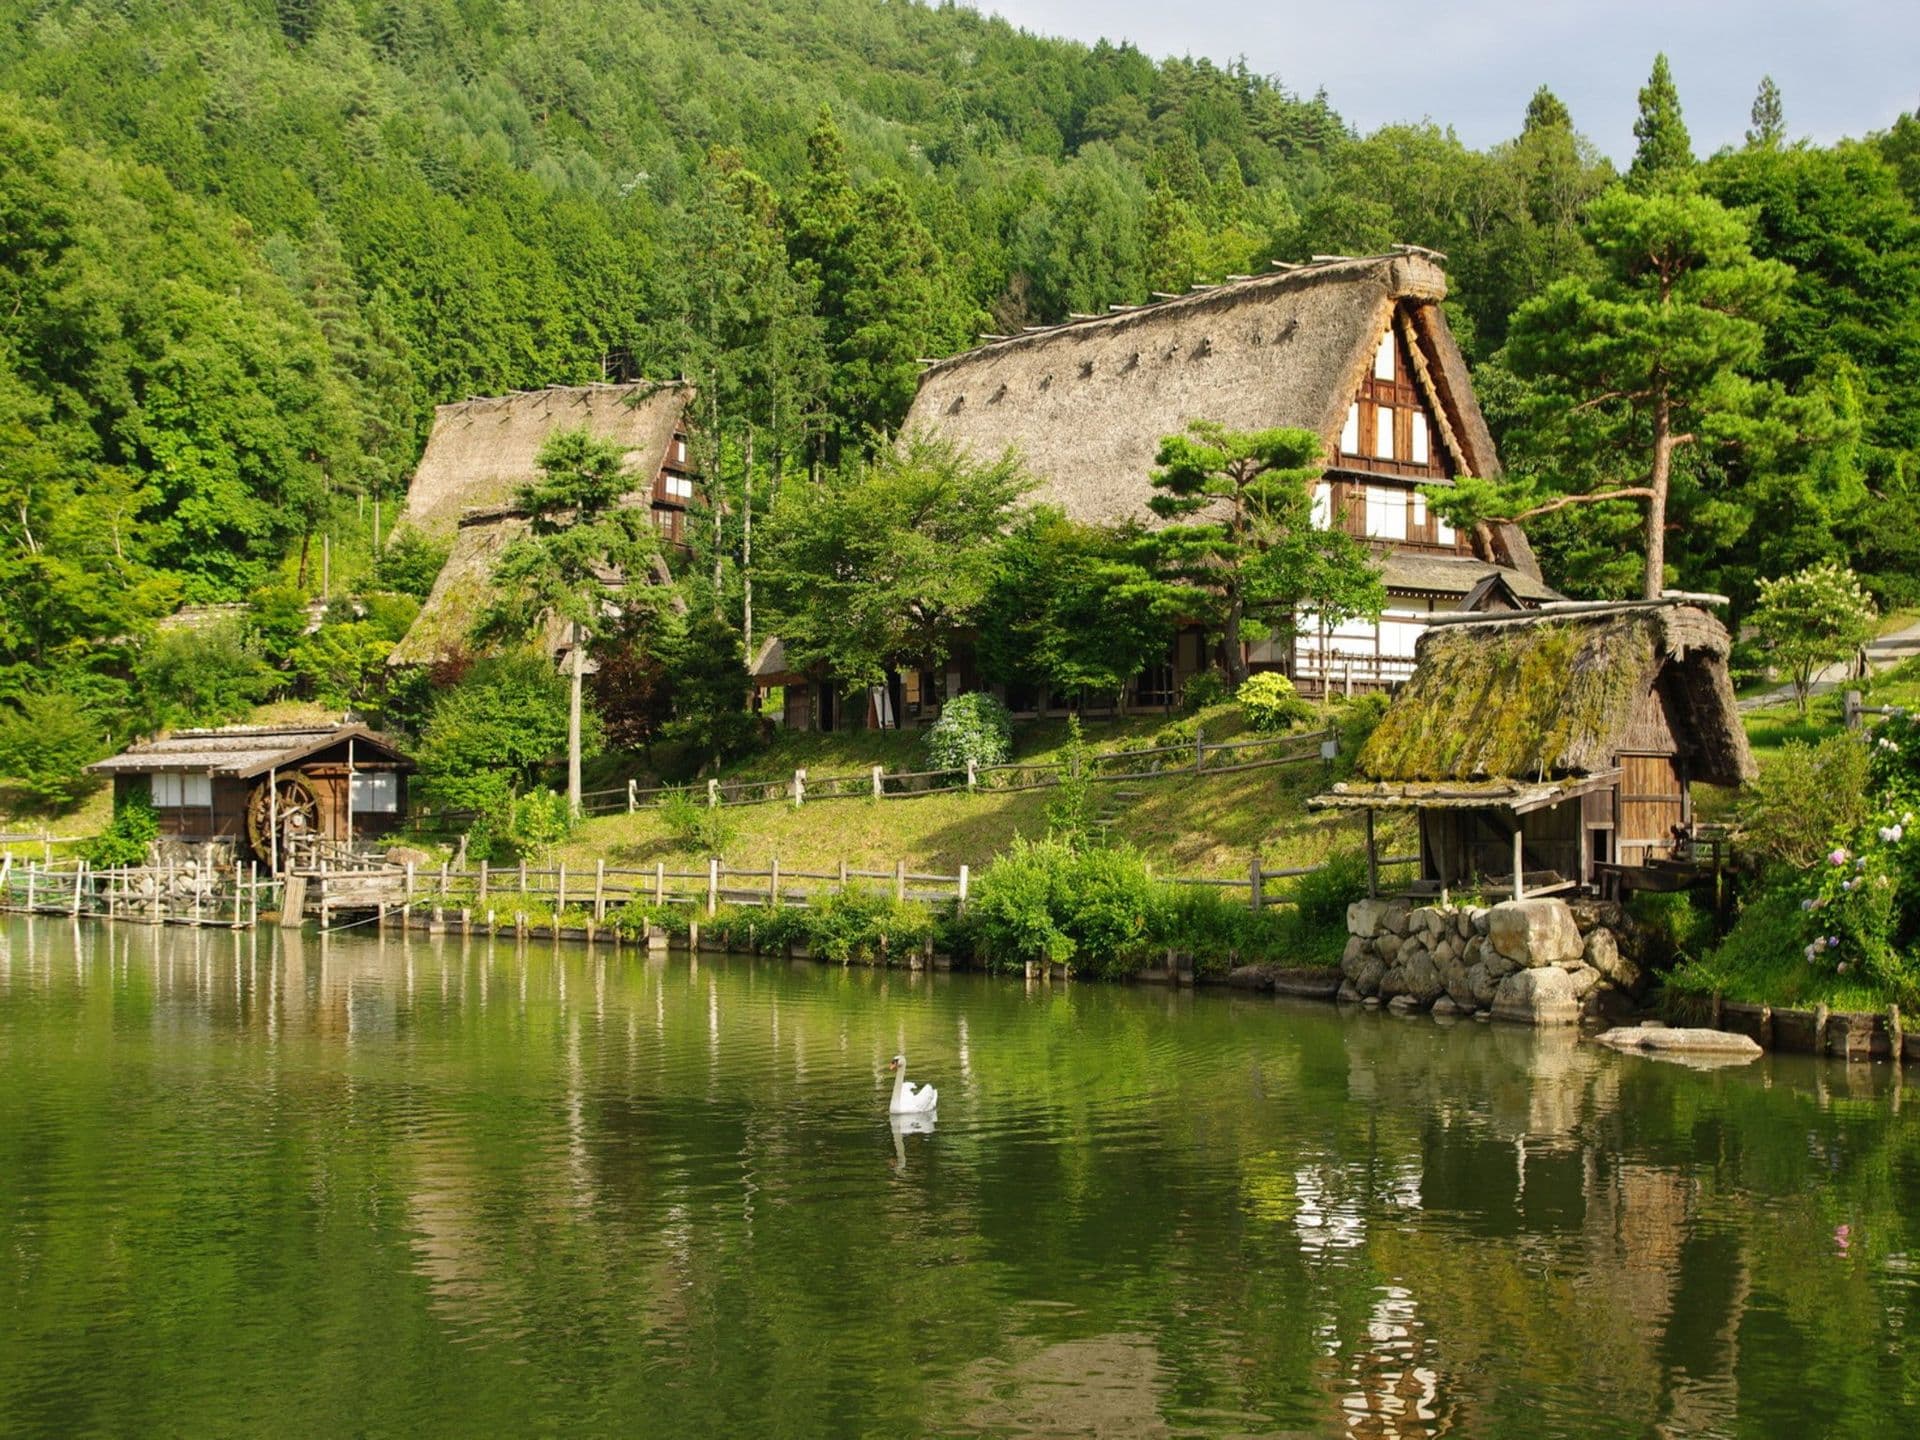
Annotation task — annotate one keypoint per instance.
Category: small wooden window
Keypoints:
(176, 790)
(1383, 432)
(1386, 513)
(1419, 452)
(376, 793)
(1350, 432)
(1383, 357)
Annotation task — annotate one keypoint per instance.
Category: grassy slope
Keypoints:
(1207, 826)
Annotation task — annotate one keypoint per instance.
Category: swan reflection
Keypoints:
(903, 1126)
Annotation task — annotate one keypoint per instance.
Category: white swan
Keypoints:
(909, 1099)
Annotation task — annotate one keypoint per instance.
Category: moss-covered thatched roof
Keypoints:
(1546, 694)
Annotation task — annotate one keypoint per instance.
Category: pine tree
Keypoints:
(1665, 151)
(1769, 119)
(1545, 111)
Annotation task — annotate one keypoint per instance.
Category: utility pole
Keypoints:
(578, 666)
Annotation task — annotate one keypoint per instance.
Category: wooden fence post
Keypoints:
(1255, 880)
(239, 884)
(713, 885)
(79, 878)
(1853, 709)
(973, 773)
(773, 885)
(878, 790)
(1519, 862)
(799, 788)
(843, 875)
(599, 890)
(633, 796)
(523, 877)
(1199, 753)
(713, 793)
(659, 882)
(963, 890)
(481, 898)
(900, 880)
(1373, 860)
(560, 893)
(253, 890)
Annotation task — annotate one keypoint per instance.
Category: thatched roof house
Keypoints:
(1357, 350)
(1568, 737)
(482, 451)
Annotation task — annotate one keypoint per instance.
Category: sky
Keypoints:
(1844, 68)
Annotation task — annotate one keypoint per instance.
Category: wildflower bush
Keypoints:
(1808, 794)
(1270, 703)
(1861, 906)
(975, 727)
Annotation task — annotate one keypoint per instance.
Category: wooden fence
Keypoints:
(878, 783)
(172, 894)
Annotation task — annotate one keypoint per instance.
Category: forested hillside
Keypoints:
(245, 245)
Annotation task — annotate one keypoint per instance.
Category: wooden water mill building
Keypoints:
(267, 793)
(1556, 749)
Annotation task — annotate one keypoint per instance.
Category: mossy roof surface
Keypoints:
(1528, 701)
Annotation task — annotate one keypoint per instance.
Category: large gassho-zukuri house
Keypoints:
(482, 452)
(1356, 350)
(1556, 749)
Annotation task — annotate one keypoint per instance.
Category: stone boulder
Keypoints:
(1534, 932)
(1365, 917)
(1251, 977)
(1481, 984)
(1365, 977)
(1603, 954)
(1420, 978)
(1387, 946)
(1541, 996)
(1676, 1040)
(1456, 976)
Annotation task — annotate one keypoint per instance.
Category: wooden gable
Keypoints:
(1394, 424)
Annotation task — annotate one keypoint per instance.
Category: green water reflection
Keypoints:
(265, 1184)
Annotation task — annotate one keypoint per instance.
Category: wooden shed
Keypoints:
(266, 790)
(1556, 749)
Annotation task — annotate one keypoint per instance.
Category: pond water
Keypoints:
(268, 1184)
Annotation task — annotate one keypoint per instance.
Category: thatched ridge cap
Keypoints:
(1410, 272)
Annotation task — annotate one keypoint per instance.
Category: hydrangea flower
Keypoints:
(1838, 857)
(1892, 834)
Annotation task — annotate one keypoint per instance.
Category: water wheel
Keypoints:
(298, 810)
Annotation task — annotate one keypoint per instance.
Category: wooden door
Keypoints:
(1652, 803)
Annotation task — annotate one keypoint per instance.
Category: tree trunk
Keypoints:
(578, 666)
(746, 551)
(1656, 574)
(1233, 655)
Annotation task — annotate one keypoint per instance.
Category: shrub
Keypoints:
(127, 837)
(211, 676)
(1203, 688)
(1811, 619)
(1050, 902)
(975, 727)
(1321, 898)
(1215, 722)
(1356, 720)
(1803, 799)
(539, 822)
(1070, 806)
(695, 826)
(855, 924)
(1270, 703)
(633, 919)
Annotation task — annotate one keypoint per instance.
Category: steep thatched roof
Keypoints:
(1547, 694)
(482, 451)
(480, 454)
(243, 750)
(1087, 403)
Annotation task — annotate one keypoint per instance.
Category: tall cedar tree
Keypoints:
(1639, 363)
(1243, 508)
(1664, 151)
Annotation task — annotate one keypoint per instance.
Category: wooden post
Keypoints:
(1255, 881)
(713, 793)
(481, 898)
(713, 885)
(973, 773)
(406, 895)
(773, 885)
(1519, 860)
(843, 875)
(1199, 753)
(799, 788)
(239, 884)
(560, 892)
(963, 890)
(523, 877)
(79, 879)
(878, 790)
(253, 893)
(900, 880)
(443, 882)
(273, 819)
(633, 796)
(1373, 861)
(599, 890)
(659, 882)
(33, 872)
(1853, 709)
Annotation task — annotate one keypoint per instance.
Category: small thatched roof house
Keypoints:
(481, 452)
(1559, 743)
(1356, 350)
(242, 786)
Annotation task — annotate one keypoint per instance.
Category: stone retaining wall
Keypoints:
(1538, 962)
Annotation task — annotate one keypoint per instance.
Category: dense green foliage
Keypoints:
(1269, 702)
